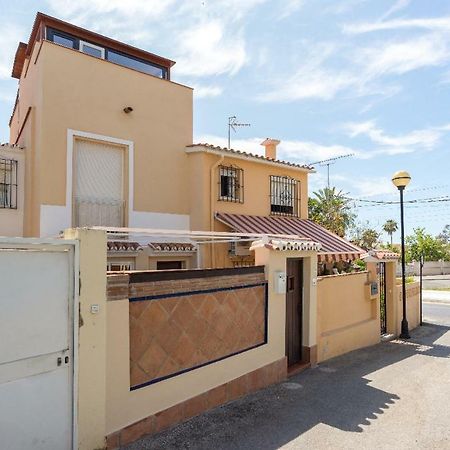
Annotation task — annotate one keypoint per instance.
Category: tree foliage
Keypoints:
(444, 236)
(365, 237)
(332, 210)
(421, 243)
(390, 227)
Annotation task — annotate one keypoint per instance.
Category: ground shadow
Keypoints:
(335, 393)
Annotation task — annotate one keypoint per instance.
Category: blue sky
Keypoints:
(326, 77)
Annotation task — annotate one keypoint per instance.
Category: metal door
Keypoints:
(383, 309)
(36, 346)
(294, 269)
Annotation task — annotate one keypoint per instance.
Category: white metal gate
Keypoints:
(37, 299)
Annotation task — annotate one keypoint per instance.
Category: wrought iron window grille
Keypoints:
(231, 184)
(8, 183)
(284, 196)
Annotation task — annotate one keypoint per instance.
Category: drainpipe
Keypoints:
(211, 204)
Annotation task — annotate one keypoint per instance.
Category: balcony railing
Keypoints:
(99, 212)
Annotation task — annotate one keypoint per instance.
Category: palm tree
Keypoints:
(332, 210)
(390, 227)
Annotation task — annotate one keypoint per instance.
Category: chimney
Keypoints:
(271, 148)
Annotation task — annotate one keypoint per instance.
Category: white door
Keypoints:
(36, 357)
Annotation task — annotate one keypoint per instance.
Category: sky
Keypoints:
(328, 78)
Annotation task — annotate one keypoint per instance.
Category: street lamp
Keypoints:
(401, 179)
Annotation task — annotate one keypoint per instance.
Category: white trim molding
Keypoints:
(63, 214)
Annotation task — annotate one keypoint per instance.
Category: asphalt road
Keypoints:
(392, 395)
(436, 313)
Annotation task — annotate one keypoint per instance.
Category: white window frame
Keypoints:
(124, 265)
(82, 43)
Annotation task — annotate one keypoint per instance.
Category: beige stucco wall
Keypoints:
(412, 306)
(11, 220)
(205, 196)
(72, 90)
(124, 407)
(347, 317)
(91, 362)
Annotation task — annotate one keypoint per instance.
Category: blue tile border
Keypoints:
(264, 342)
(196, 292)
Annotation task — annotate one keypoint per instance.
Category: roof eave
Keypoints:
(243, 156)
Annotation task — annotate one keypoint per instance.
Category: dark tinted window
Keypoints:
(62, 38)
(169, 265)
(137, 64)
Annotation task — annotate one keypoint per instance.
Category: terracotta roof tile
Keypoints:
(172, 246)
(251, 155)
(123, 246)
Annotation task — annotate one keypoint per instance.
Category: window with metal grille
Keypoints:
(231, 184)
(284, 196)
(8, 183)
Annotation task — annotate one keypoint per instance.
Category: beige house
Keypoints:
(105, 139)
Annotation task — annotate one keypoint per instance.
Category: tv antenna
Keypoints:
(232, 125)
(329, 162)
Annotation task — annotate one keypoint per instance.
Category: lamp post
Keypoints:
(401, 179)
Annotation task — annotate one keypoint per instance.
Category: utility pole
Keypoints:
(232, 125)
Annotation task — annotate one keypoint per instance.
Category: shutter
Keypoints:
(98, 184)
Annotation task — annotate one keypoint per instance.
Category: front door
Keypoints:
(294, 273)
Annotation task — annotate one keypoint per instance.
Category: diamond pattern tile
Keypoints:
(176, 333)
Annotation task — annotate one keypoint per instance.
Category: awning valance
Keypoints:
(333, 247)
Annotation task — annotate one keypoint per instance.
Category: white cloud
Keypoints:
(204, 91)
(9, 40)
(361, 71)
(129, 8)
(397, 6)
(311, 79)
(290, 7)
(289, 150)
(205, 37)
(405, 56)
(416, 140)
(435, 24)
(208, 50)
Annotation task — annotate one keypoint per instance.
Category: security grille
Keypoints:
(231, 184)
(8, 183)
(284, 196)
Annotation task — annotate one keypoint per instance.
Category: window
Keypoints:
(8, 183)
(136, 63)
(114, 56)
(169, 265)
(283, 196)
(62, 38)
(231, 184)
(93, 50)
(99, 184)
(119, 266)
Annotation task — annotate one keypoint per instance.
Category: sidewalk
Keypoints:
(436, 296)
(392, 395)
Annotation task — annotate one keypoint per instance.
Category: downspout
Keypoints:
(211, 204)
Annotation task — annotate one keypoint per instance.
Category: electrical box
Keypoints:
(280, 282)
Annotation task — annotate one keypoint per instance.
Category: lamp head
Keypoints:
(401, 179)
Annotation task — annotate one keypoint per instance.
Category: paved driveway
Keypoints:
(394, 395)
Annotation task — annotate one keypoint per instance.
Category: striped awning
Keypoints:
(334, 248)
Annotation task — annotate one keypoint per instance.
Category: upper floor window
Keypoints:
(284, 196)
(8, 183)
(132, 62)
(231, 184)
(93, 50)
